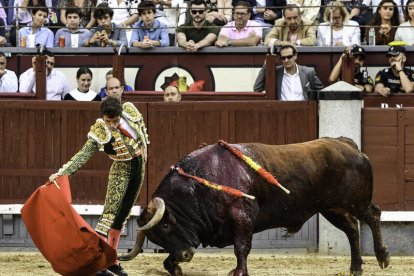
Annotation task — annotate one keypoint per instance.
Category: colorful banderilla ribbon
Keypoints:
(259, 169)
(225, 189)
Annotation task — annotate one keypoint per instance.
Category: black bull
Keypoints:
(329, 176)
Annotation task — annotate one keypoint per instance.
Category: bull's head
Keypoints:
(160, 226)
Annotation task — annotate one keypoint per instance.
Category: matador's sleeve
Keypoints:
(97, 137)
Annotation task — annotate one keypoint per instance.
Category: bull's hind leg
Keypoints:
(372, 217)
(349, 225)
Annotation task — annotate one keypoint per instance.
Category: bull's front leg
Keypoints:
(172, 266)
(243, 232)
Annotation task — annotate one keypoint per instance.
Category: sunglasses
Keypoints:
(286, 57)
(194, 12)
(50, 63)
(2, 63)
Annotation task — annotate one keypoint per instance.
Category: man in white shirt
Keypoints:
(8, 79)
(57, 85)
(293, 80)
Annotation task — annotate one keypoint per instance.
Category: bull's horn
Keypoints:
(137, 247)
(159, 205)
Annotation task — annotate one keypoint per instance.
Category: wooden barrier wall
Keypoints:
(37, 137)
(388, 140)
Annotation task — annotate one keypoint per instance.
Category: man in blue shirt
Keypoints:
(35, 32)
(149, 32)
(73, 29)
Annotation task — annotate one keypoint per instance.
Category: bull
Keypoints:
(328, 176)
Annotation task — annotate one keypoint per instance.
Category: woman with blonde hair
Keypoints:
(337, 30)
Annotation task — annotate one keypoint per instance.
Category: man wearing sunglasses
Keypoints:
(241, 31)
(198, 33)
(57, 85)
(361, 78)
(293, 81)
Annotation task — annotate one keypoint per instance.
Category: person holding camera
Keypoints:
(361, 78)
(106, 33)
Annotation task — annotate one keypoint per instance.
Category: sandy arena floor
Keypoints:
(209, 264)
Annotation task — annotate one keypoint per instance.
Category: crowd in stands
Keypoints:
(200, 23)
(146, 24)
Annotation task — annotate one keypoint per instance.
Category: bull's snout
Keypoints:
(187, 255)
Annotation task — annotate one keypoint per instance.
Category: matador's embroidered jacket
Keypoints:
(118, 146)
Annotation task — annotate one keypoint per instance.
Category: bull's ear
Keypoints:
(171, 218)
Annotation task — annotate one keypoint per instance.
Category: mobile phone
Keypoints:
(99, 28)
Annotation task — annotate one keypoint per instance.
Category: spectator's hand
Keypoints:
(191, 46)
(260, 9)
(221, 43)
(385, 29)
(104, 38)
(53, 177)
(269, 15)
(385, 91)
(339, 43)
(94, 38)
(397, 65)
(210, 18)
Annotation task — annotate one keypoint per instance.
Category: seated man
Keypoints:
(35, 32)
(8, 79)
(291, 29)
(241, 31)
(109, 75)
(56, 83)
(396, 78)
(149, 32)
(361, 78)
(199, 32)
(73, 29)
(171, 92)
(293, 80)
(106, 34)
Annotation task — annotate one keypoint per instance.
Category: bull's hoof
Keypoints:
(174, 270)
(237, 272)
(356, 273)
(384, 259)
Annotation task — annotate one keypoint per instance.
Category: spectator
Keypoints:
(56, 83)
(83, 93)
(241, 31)
(124, 12)
(219, 12)
(171, 93)
(265, 12)
(122, 135)
(3, 39)
(291, 29)
(176, 16)
(343, 32)
(114, 88)
(35, 32)
(384, 22)
(361, 78)
(149, 32)
(397, 78)
(309, 9)
(73, 29)
(108, 76)
(86, 11)
(293, 80)
(107, 34)
(160, 10)
(23, 15)
(198, 33)
(8, 79)
(405, 31)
